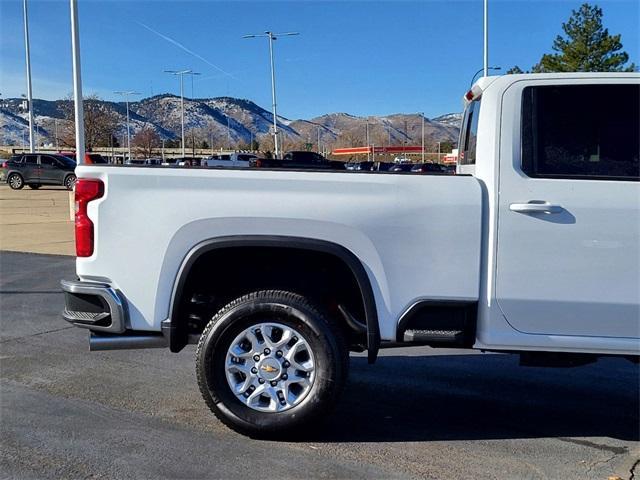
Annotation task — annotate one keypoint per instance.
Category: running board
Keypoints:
(99, 342)
(433, 336)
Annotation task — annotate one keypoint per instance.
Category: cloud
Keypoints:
(190, 52)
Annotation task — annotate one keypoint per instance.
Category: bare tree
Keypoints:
(145, 141)
(100, 122)
(350, 138)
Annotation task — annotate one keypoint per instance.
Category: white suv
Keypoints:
(230, 160)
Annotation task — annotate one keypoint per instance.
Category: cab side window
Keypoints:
(30, 159)
(581, 131)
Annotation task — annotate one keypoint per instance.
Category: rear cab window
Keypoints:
(469, 134)
(581, 131)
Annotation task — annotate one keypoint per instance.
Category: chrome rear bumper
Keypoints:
(95, 306)
(102, 310)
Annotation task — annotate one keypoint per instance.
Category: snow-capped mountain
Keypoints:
(228, 121)
(451, 119)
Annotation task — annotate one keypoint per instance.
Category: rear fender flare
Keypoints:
(170, 328)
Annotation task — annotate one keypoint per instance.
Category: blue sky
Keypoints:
(364, 57)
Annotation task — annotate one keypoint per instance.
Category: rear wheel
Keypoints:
(270, 362)
(15, 181)
(70, 181)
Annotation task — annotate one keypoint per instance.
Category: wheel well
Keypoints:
(213, 277)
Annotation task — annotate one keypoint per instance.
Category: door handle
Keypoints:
(535, 207)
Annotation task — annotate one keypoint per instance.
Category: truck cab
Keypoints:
(558, 156)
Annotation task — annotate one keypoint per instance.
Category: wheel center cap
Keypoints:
(269, 369)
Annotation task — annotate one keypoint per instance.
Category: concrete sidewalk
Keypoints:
(36, 221)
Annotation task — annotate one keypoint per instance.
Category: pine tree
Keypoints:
(587, 47)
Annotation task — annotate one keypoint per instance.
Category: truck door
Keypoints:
(568, 243)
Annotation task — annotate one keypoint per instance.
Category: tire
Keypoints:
(70, 181)
(15, 181)
(318, 348)
(34, 186)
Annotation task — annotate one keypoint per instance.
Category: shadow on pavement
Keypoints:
(483, 397)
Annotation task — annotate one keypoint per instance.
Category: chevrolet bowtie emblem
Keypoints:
(268, 368)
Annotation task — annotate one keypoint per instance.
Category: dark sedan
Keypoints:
(37, 169)
(401, 167)
(429, 168)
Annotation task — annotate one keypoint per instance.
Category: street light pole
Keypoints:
(486, 38)
(182, 114)
(422, 115)
(368, 150)
(181, 74)
(273, 96)
(126, 100)
(273, 36)
(77, 83)
(228, 129)
(28, 62)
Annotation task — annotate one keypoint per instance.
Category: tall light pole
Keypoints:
(181, 74)
(486, 38)
(77, 83)
(226, 114)
(126, 101)
(273, 36)
(422, 116)
(28, 62)
(368, 143)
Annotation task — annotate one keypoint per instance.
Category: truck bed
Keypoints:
(401, 227)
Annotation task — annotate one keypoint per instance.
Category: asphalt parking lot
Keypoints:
(417, 413)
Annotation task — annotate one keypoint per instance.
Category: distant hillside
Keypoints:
(451, 119)
(228, 122)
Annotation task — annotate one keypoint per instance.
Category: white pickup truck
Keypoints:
(534, 248)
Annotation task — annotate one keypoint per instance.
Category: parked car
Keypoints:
(300, 160)
(450, 169)
(533, 250)
(144, 161)
(37, 169)
(402, 159)
(235, 159)
(361, 166)
(401, 167)
(429, 168)
(182, 162)
(89, 158)
(384, 166)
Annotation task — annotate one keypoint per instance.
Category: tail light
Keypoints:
(87, 189)
(5, 165)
